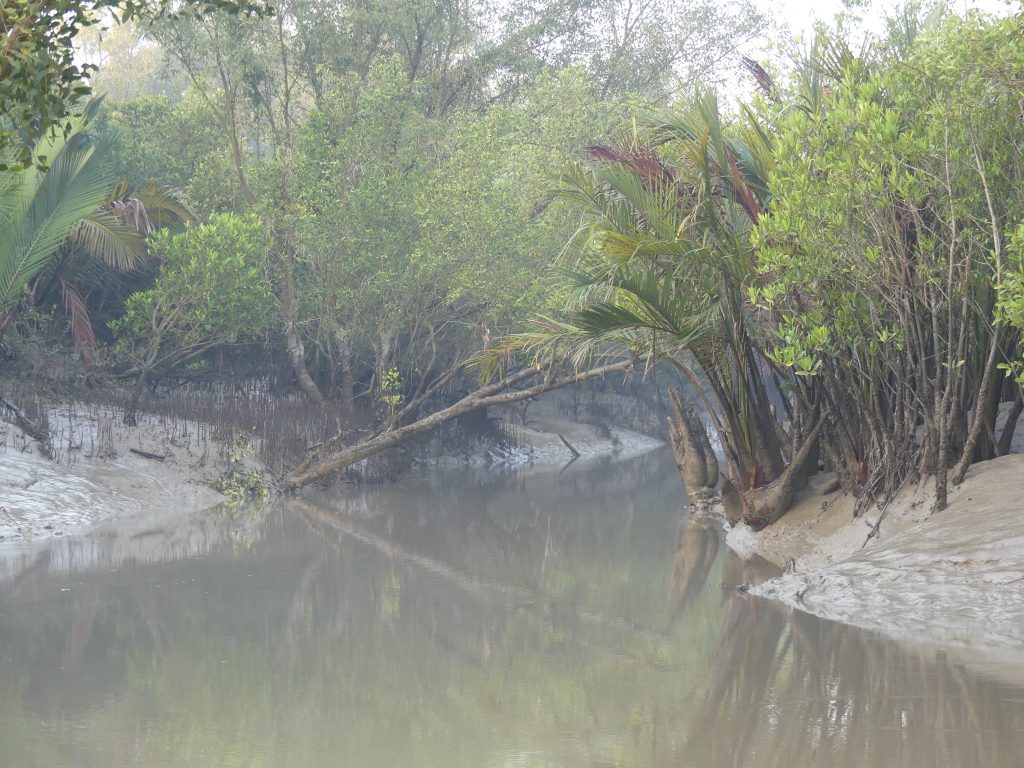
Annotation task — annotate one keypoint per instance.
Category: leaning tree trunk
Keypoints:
(297, 357)
(696, 460)
(764, 505)
(315, 468)
(978, 421)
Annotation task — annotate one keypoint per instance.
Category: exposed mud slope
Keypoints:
(954, 577)
(97, 476)
(548, 441)
(564, 426)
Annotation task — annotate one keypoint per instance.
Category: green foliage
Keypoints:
(210, 291)
(42, 79)
(160, 140)
(487, 214)
(664, 263)
(649, 49)
(391, 388)
(848, 238)
(400, 154)
(887, 263)
(905, 153)
(39, 209)
(1010, 295)
(238, 482)
(416, 238)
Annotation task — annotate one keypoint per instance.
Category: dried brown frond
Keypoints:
(745, 195)
(764, 82)
(643, 161)
(79, 322)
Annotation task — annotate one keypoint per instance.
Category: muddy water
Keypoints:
(571, 619)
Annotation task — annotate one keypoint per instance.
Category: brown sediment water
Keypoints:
(572, 618)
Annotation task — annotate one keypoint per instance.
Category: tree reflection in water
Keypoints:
(559, 620)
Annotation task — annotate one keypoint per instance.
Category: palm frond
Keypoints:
(764, 81)
(47, 208)
(106, 237)
(663, 251)
(163, 207)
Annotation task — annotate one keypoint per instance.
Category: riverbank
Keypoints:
(954, 578)
(562, 426)
(553, 441)
(104, 470)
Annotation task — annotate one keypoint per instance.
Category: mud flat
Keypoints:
(954, 578)
(552, 431)
(557, 441)
(103, 470)
(106, 472)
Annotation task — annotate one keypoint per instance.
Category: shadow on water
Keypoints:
(463, 619)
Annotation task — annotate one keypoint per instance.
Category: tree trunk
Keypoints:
(978, 424)
(236, 145)
(941, 453)
(343, 346)
(347, 385)
(491, 394)
(131, 408)
(297, 357)
(382, 348)
(764, 505)
(1006, 438)
(293, 340)
(710, 458)
(732, 504)
(694, 455)
(687, 452)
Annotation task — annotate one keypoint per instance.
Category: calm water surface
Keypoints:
(459, 620)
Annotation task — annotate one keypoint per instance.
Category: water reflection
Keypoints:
(695, 555)
(467, 620)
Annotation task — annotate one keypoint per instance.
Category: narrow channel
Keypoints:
(462, 619)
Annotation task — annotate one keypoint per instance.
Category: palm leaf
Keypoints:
(163, 207)
(106, 237)
(47, 208)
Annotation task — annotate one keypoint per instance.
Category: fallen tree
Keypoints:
(317, 466)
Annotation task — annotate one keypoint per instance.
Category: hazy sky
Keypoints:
(800, 15)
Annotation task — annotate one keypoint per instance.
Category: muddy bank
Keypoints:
(560, 427)
(554, 441)
(954, 578)
(105, 470)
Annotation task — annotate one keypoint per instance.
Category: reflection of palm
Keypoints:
(694, 557)
(745, 669)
